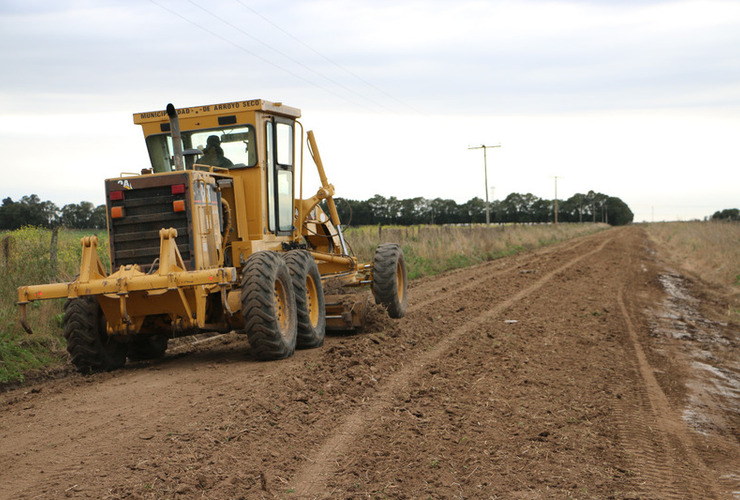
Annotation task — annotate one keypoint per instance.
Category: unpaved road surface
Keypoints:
(590, 369)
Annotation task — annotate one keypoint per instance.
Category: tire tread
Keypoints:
(259, 274)
(385, 279)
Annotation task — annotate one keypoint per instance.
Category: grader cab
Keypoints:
(213, 236)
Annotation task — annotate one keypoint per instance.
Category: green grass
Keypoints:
(431, 250)
(21, 353)
(25, 260)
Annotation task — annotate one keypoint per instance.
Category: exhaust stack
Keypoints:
(176, 138)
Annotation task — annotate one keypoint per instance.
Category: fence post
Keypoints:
(53, 250)
(6, 250)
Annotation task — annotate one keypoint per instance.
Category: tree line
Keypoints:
(589, 207)
(731, 214)
(31, 211)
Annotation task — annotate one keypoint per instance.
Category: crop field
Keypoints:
(533, 362)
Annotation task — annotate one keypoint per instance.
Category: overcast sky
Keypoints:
(634, 99)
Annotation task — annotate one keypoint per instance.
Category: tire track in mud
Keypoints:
(656, 437)
(311, 480)
(459, 281)
(107, 403)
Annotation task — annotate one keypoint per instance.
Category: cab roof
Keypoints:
(220, 109)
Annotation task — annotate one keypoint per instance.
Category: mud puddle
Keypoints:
(709, 348)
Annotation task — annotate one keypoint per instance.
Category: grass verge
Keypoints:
(708, 249)
(431, 250)
(26, 258)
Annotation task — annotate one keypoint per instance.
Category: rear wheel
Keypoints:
(389, 279)
(147, 347)
(309, 298)
(268, 306)
(90, 347)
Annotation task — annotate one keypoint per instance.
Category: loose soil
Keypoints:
(589, 369)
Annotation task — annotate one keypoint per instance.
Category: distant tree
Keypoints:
(511, 208)
(77, 216)
(28, 211)
(474, 211)
(618, 213)
(10, 214)
(83, 215)
(541, 211)
(446, 211)
(393, 210)
(378, 206)
(98, 219)
(413, 211)
(496, 212)
(572, 209)
(520, 208)
(596, 206)
(729, 214)
(516, 207)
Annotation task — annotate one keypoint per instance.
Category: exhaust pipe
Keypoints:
(176, 138)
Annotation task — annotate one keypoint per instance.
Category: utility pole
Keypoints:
(556, 199)
(485, 170)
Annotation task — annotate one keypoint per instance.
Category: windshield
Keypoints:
(223, 147)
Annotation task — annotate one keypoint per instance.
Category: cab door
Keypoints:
(280, 158)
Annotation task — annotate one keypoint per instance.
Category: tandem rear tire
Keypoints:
(309, 298)
(88, 344)
(268, 306)
(389, 279)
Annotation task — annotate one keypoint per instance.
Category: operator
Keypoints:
(213, 154)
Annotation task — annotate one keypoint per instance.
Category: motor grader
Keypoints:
(211, 237)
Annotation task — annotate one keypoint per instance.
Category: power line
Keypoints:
(295, 61)
(331, 61)
(244, 49)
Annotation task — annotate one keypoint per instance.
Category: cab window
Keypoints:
(279, 136)
(270, 139)
(285, 176)
(222, 147)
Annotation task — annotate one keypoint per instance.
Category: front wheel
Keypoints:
(90, 347)
(309, 298)
(268, 306)
(389, 279)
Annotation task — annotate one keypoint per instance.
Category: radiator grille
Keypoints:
(135, 237)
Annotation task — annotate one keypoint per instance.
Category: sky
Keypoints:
(634, 99)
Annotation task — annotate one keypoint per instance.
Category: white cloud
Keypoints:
(613, 96)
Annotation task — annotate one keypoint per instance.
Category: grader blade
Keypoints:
(346, 312)
(129, 295)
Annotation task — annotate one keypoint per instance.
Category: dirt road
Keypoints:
(591, 369)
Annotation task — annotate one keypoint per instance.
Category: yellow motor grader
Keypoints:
(211, 237)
